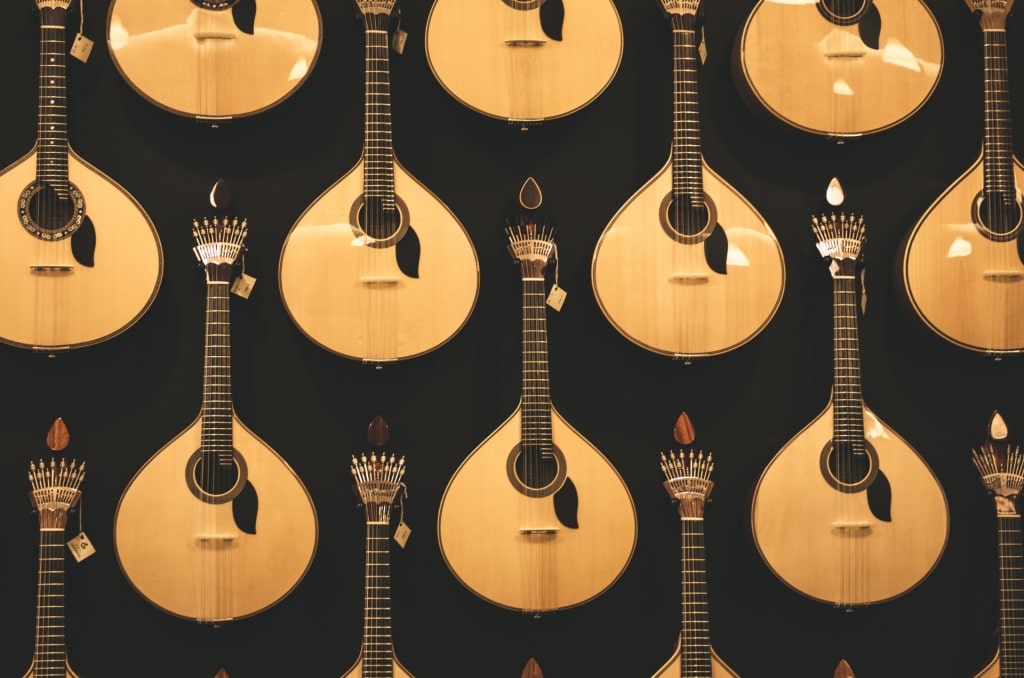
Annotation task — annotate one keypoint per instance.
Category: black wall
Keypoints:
(125, 398)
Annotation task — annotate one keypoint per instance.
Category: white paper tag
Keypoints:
(398, 40)
(243, 284)
(81, 547)
(81, 48)
(402, 533)
(556, 297)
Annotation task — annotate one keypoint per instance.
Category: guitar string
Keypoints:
(522, 64)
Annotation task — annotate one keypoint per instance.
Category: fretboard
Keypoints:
(378, 151)
(536, 396)
(847, 398)
(216, 436)
(997, 147)
(687, 180)
(52, 133)
(1011, 597)
(378, 652)
(50, 649)
(694, 634)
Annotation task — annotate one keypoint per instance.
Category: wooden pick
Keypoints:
(683, 430)
(843, 670)
(377, 433)
(530, 196)
(532, 669)
(57, 438)
(222, 674)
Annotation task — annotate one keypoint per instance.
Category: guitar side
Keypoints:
(79, 305)
(198, 62)
(354, 300)
(991, 670)
(806, 531)
(965, 287)
(836, 84)
(481, 517)
(477, 53)
(662, 295)
(171, 546)
(673, 667)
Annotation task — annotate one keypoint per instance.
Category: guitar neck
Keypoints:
(687, 176)
(378, 152)
(997, 145)
(1011, 592)
(378, 651)
(50, 656)
(847, 398)
(536, 397)
(216, 434)
(52, 130)
(695, 634)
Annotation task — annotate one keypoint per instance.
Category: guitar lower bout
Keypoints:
(197, 558)
(520, 552)
(846, 547)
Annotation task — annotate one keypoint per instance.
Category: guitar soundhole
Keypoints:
(376, 225)
(535, 473)
(847, 469)
(215, 5)
(998, 216)
(214, 480)
(686, 220)
(843, 12)
(51, 214)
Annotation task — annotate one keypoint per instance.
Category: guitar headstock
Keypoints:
(1000, 465)
(992, 14)
(688, 480)
(839, 239)
(532, 246)
(376, 13)
(219, 242)
(55, 490)
(378, 480)
(685, 7)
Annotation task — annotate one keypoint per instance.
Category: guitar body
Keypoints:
(798, 519)
(397, 670)
(661, 293)
(841, 80)
(498, 60)
(78, 305)
(964, 286)
(213, 63)
(673, 668)
(354, 300)
(491, 556)
(190, 558)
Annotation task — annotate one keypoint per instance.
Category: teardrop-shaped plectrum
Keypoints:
(997, 429)
(532, 669)
(834, 193)
(57, 438)
(683, 430)
(530, 196)
(220, 195)
(843, 670)
(377, 433)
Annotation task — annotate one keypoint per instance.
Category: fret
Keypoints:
(687, 170)
(52, 140)
(997, 145)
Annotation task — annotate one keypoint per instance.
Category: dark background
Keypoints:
(125, 398)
